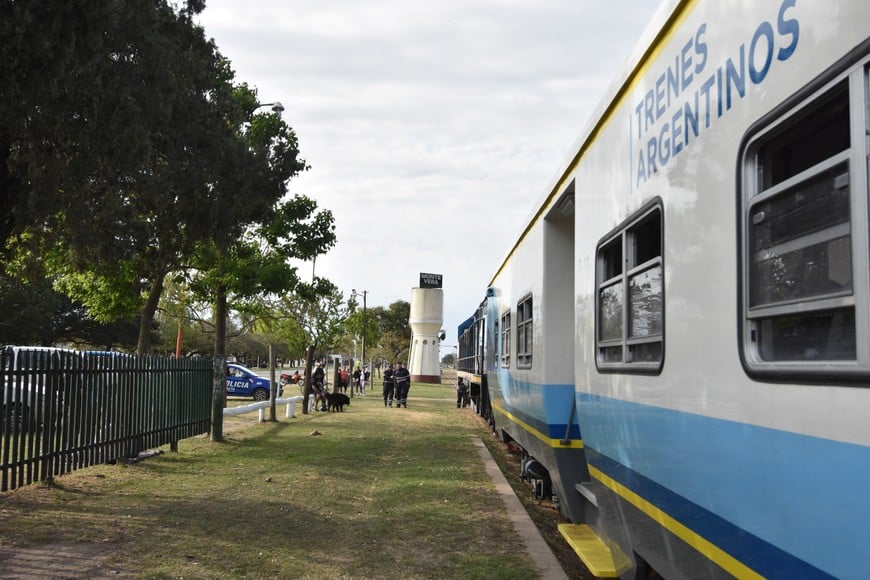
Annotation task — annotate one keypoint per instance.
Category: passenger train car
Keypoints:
(679, 339)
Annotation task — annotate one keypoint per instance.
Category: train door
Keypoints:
(558, 329)
(557, 300)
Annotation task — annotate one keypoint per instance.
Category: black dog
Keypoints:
(337, 401)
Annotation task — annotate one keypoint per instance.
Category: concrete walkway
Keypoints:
(537, 548)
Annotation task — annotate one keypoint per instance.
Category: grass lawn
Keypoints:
(372, 492)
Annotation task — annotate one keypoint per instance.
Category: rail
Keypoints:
(261, 406)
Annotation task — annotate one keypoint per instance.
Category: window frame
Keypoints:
(525, 332)
(622, 239)
(505, 338)
(853, 73)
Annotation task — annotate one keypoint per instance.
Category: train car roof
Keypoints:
(464, 325)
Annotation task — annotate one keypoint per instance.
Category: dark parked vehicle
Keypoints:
(31, 374)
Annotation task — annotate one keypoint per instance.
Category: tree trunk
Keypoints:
(146, 315)
(219, 393)
(309, 362)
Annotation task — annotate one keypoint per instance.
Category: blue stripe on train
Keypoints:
(547, 409)
(752, 551)
(735, 483)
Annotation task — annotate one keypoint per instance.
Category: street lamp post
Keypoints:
(363, 293)
(276, 107)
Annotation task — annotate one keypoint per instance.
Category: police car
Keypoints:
(243, 382)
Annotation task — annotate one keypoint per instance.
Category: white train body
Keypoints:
(688, 308)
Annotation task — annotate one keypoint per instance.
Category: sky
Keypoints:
(432, 128)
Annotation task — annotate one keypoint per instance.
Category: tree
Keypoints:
(128, 154)
(36, 314)
(50, 122)
(260, 264)
(129, 138)
(312, 321)
(93, 94)
(395, 319)
(387, 329)
(393, 337)
(355, 326)
(394, 346)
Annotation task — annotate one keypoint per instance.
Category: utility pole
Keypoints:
(365, 326)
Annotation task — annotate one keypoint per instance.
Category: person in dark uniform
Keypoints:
(389, 386)
(402, 377)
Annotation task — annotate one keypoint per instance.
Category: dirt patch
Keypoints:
(60, 560)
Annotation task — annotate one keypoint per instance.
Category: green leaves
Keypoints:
(128, 153)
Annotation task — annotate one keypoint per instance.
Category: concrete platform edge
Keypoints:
(536, 546)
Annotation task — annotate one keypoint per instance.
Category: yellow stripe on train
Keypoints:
(716, 554)
(555, 443)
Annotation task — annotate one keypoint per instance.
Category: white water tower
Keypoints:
(427, 317)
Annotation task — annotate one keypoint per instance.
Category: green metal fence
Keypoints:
(63, 410)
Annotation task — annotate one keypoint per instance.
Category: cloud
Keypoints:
(432, 128)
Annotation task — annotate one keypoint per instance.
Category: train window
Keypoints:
(524, 333)
(506, 340)
(630, 310)
(495, 337)
(804, 211)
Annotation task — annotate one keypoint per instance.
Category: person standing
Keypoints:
(317, 385)
(389, 386)
(356, 377)
(342, 380)
(402, 378)
(318, 376)
(365, 379)
(461, 394)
